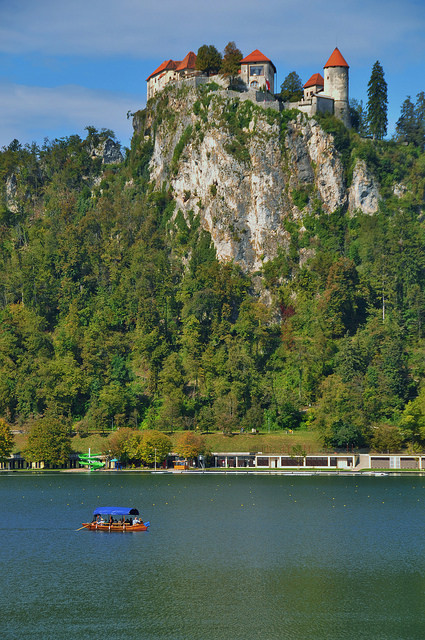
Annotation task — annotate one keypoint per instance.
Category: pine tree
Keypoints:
(406, 125)
(358, 117)
(377, 104)
(410, 127)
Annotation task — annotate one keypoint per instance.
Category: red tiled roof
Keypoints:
(257, 56)
(188, 62)
(165, 66)
(336, 60)
(316, 80)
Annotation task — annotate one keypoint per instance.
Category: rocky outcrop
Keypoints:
(314, 159)
(399, 190)
(11, 188)
(363, 194)
(229, 162)
(109, 151)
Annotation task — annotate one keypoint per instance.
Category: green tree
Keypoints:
(410, 127)
(358, 117)
(412, 422)
(377, 103)
(291, 89)
(49, 441)
(6, 440)
(152, 446)
(344, 434)
(341, 404)
(341, 302)
(208, 59)
(386, 438)
(231, 61)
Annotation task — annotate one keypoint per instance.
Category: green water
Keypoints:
(226, 557)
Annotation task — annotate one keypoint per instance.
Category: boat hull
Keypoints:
(114, 527)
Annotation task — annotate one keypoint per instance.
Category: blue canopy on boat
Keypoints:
(116, 511)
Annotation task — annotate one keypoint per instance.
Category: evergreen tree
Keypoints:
(358, 117)
(406, 125)
(377, 103)
(410, 127)
(291, 89)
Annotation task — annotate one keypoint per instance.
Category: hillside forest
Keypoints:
(115, 311)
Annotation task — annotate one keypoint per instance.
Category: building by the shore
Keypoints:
(258, 460)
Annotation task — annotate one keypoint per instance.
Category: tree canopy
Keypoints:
(190, 445)
(358, 117)
(49, 441)
(116, 314)
(6, 440)
(410, 127)
(291, 89)
(153, 446)
(208, 59)
(231, 61)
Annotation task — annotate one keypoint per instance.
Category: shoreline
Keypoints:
(229, 471)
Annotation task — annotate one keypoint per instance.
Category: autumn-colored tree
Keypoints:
(121, 444)
(189, 445)
(231, 61)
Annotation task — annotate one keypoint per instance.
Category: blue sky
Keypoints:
(68, 64)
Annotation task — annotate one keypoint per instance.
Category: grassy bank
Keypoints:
(246, 442)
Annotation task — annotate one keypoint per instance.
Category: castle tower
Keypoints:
(336, 85)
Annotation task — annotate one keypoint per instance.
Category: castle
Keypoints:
(328, 94)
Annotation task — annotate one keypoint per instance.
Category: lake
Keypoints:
(226, 557)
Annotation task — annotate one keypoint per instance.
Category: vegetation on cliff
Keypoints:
(115, 311)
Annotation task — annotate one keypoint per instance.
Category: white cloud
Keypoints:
(33, 113)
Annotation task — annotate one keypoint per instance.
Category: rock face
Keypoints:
(11, 187)
(363, 194)
(315, 160)
(109, 151)
(229, 162)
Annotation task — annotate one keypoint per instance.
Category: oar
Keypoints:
(80, 528)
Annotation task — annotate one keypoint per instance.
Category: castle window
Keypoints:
(254, 84)
(256, 71)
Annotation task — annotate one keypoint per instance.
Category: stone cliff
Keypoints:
(245, 169)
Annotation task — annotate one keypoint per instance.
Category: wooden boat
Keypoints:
(116, 519)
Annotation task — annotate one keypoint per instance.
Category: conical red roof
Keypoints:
(257, 56)
(336, 60)
(316, 80)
